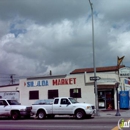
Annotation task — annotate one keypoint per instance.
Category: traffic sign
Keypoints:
(95, 78)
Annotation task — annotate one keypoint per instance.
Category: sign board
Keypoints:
(101, 104)
(37, 83)
(64, 81)
(10, 95)
(107, 80)
(124, 72)
(95, 78)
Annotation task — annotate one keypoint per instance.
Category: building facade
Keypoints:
(56, 86)
(77, 84)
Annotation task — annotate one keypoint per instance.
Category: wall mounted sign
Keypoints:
(106, 80)
(10, 95)
(127, 81)
(69, 81)
(124, 72)
(38, 83)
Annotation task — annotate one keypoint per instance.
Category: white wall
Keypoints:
(87, 92)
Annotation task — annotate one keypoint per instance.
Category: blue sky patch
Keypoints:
(16, 31)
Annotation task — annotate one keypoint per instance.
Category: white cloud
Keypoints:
(62, 68)
(39, 36)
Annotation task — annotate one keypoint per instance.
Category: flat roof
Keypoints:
(10, 85)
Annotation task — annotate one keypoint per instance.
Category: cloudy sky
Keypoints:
(37, 36)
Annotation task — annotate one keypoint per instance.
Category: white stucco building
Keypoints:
(77, 84)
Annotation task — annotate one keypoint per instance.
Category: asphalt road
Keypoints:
(100, 123)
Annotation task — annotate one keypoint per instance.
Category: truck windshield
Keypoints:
(73, 100)
(13, 102)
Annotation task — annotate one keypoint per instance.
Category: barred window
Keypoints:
(75, 92)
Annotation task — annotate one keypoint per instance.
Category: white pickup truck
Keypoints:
(13, 109)
(62, 106)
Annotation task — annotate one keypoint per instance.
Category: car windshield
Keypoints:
(45, 101)
(73, 100)
(13, 102)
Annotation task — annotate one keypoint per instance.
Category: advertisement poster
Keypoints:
(10, 95)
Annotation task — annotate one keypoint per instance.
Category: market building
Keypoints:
(77, 84)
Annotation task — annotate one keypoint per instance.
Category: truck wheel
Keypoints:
(41, 114)
(79, 114)
(15, 115)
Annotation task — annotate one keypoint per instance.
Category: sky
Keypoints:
(37, 36)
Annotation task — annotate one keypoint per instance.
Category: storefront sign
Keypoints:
(124, 72)
(10, 95)
(69, 81)
(37, 83)
(105, 80)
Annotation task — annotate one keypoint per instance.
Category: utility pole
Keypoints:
(95, 81)
(12, 78)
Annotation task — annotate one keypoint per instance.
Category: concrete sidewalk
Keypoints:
(112, 113)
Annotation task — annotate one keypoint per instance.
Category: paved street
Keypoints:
(106, 121)
(59, 124)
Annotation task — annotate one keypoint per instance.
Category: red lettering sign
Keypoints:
(54, 82)
(74, 80)
(69, 81)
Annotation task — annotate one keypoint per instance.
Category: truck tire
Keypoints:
(79, 114)
(15, 115)
(41, 114)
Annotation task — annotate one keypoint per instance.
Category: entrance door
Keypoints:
(109, 100)
(106, 99)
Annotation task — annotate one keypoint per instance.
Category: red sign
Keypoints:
(64, 81)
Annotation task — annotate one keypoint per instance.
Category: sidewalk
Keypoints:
(112, 113)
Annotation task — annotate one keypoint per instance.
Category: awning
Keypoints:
(104, 86)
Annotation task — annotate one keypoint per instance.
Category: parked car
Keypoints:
(13, 109)
(62, 106)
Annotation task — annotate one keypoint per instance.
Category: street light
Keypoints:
(95, 81)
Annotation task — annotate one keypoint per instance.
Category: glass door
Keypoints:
(106, 99)
(101, 99)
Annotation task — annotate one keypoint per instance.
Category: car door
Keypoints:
(65, 106)
(56, 105)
